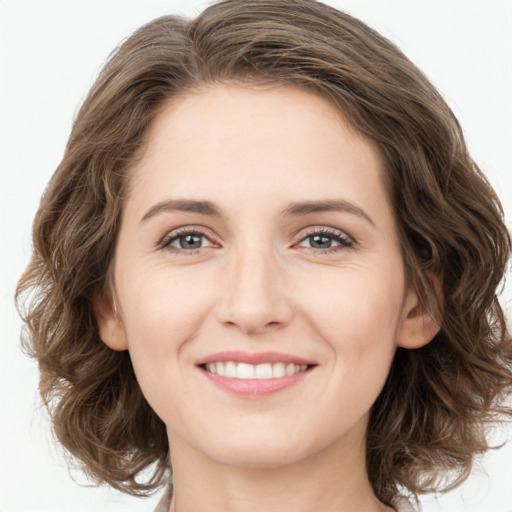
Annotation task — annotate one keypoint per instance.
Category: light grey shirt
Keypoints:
(401, 504)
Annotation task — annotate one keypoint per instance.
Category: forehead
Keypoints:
(210, 115)
(246, 141)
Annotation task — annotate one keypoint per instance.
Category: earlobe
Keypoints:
(110, 325)
(418, 327)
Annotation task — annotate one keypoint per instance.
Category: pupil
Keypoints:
(190, 242)
(321, 241)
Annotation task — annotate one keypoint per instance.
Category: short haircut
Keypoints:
(434, 411)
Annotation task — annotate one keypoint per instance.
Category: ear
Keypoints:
(110, 325)
(418, 327)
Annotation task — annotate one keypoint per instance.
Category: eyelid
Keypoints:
(324, 230)
(165, 241)
(348, 241)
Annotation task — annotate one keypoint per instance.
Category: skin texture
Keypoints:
(258, 283)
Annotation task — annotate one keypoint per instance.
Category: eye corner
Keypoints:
(165, 243)
(343, 240)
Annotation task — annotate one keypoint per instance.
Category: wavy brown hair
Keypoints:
(435, 410)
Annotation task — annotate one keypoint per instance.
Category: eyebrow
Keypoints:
(183, 205)
(292, 210)
(327, 205)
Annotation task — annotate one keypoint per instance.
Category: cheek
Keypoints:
(354, 300)
(161, 315)
(162, 306)
(358, 314)
(360, 325)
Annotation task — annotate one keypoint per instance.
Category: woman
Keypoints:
(268, 261)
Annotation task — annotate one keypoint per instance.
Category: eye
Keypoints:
(326, 240)
(185, 240)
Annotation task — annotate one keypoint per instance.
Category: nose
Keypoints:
(253, 294)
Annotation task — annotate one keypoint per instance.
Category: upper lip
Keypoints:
(254, 358)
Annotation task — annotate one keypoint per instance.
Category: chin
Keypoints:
(258, 458)
(259, 452)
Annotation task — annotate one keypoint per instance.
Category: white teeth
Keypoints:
(278, 370)
(251, 371)
(245, 371)
(264, 371)
(229, 370)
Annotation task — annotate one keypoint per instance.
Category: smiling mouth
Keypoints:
(246, 371)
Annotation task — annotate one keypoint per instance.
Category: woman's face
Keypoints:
(258, 277)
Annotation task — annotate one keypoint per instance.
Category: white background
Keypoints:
(51, 51)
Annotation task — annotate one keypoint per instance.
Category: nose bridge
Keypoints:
(254, 295)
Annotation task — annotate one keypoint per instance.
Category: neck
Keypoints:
(334, 480)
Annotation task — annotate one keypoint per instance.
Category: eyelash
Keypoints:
(344, 240)
(175, 235)
(338, 236)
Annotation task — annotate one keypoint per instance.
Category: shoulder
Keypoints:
(165, 502)
(402, 504)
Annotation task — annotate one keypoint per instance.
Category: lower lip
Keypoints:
(255, 387)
